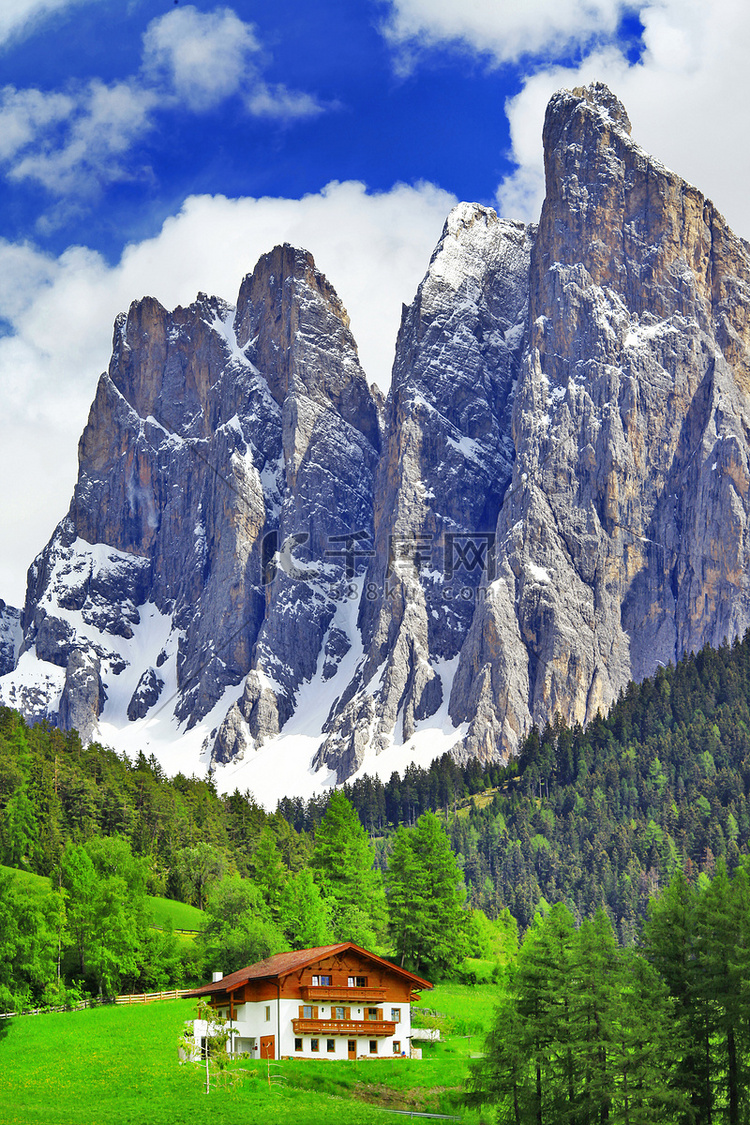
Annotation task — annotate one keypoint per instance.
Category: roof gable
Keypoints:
(282, 964)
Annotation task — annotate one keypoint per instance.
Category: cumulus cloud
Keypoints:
(74, 143)
(204, 56)
(502, 29)
(374, 248)
(21, 17)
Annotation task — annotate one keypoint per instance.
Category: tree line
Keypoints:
(594, 817)
(589, 1031)
(108, 833)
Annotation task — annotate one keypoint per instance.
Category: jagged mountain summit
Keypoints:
(266, 567)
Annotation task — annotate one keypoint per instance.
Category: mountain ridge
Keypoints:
(295, 578)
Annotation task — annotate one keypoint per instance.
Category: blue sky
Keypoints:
(148, 146)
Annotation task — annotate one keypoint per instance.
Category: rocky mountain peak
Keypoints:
(302, 583)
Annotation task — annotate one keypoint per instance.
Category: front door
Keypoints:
(267, 1047)
(352, 1048)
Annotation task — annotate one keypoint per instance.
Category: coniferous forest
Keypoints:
(619, 853)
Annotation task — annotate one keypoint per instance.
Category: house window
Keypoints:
(357, 982)
(396, 1015)
(330, 1046)
(298, 1044)
(373, 1046)
(371, 1013)
(307, 1013)
(268, 1013)
(397, 1046)
(314, 1044)
(340, 1013)
(321, 981)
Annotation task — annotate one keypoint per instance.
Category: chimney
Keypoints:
(216, 976)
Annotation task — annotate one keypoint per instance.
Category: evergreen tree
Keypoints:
(305, 916)
(501, 1077)
(597, 990)
(429, 922)
(669, 940)
(239, 927)
(343, 866)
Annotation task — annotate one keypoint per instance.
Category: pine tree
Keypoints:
(597, 985)
(502, 1077)
(669, 940)
(426, 899)
(343, 866)
(305, 916)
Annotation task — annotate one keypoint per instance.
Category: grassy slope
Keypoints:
(181, 914)
(118, 1066)
(27, 881)
(468, 1009)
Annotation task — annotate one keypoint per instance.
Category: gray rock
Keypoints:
(146, 694)
(554, 498)
(10, 637)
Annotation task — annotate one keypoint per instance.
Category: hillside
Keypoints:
(116, 1064)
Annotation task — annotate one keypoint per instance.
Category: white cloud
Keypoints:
(505, 30)
(24, 114)
(21, 17)
(75, 143)
(280, 103)
(205, 57)
(373, 248)
(685, 99)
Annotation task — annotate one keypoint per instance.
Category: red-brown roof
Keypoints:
(282, 964)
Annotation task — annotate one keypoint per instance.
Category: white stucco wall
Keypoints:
(273, 1017)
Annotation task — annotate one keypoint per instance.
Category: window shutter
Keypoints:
(380, 1013)
(315, 1012)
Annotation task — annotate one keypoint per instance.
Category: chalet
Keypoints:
(336, 1002)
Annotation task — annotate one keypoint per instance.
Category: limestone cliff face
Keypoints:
(623, 539)
(554, 500)
(197, 464)
(10, 637)
(446, 464)
(293, 327)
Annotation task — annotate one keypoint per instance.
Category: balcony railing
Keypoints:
(340, 992)
(351, 1028)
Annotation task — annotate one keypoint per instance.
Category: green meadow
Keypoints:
(119, 1066)
(181, 915)
(164, 911)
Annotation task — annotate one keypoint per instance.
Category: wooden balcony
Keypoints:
(338, 994)
(371, 1029)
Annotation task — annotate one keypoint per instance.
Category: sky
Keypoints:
(157, 147)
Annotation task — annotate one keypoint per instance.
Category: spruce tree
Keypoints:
(343, 866)
(426, 899)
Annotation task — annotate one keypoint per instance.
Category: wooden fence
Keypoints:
(132, 998)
